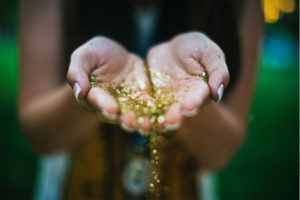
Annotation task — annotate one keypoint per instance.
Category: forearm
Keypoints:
(213, 136)
(54, 120)
(218, 131)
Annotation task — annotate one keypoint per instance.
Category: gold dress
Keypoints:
(99, 165)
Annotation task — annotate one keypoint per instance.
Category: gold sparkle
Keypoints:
(161, 119)
(128, 98)
(140, 120)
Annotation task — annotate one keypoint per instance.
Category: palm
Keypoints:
(122, 81)
(115, 76)
(175, 71)
(177, 86)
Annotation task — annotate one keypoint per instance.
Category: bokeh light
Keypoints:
(274, 9)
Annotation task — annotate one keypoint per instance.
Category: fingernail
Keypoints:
(172, 127)
(190, 113)
(126, 128)
(109, 116)
(77, 90)
(220, 93)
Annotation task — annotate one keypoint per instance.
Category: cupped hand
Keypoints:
(180, 67)
(101, 67)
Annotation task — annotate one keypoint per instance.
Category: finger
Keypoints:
(218, 80)
(155, 54)
(81, 65)
(104, 102)
(137, 78)
(144, 124)
(103, 118)
(213, 60)
(173, 117)
(87, 105)
(197, 94)
(128, 121)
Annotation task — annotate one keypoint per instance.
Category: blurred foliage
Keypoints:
(17, 160)
(265, 168)
(267, 165)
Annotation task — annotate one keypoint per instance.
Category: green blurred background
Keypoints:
(265, 168)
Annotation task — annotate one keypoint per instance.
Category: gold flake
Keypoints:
(153, 118)
(140, 120)
(161, 119)
(141, 84)
(154, 108)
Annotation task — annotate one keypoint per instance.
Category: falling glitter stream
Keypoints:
(132, 97)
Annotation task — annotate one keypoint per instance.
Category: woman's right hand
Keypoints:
(109, 63)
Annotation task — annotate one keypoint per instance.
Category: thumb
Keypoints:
(79, 81)
(78, 75)
(213, 59)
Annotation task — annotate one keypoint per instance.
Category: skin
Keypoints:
(183, 58)
(108, 62)
(53, 120)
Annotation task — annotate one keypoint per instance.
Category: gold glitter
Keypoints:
(203, 75)
(145, 110)
(140, 120)
(141, 83)
(92, 78)
(161, 119)
(149, 103)
(161, 97)
(122, 99)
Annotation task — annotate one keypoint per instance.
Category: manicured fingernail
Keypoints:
(109, 116)
(126, 128)
(220, 93)
(190, 113)
(77, 90)
(172, 127)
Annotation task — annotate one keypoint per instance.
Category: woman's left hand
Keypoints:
(181, 66)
